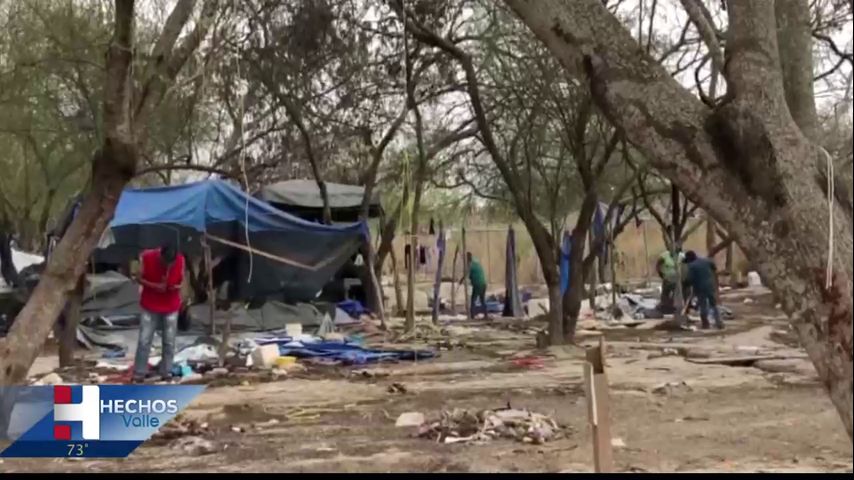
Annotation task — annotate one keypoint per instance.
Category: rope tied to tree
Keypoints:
(831, 195)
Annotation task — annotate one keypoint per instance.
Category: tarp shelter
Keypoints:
(280, 256)
(302, 198)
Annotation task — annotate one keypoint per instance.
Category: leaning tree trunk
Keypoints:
(68, 335)
(745, 161)
(24, 341)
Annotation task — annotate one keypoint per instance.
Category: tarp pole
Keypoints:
(466, 275)
(437, 286)
(372, 275)
(206, 248)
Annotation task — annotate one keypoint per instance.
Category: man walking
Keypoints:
(161, 274)
(477, 277)
(702, 275)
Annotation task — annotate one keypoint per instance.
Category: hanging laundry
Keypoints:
(407, 255)
(432, 227)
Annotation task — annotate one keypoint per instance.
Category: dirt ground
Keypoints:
(670, 414)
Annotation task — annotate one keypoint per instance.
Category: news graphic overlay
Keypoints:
(89, 421)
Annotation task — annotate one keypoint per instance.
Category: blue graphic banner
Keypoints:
(88, 421)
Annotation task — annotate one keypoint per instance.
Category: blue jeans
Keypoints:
(167, 324)
(478, 294)
(708, 302)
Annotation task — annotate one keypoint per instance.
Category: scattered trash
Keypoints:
(748, 301)
(202, 352)
(461, 426)
(195, 377)
(690, 418)
(397, 388)
(117, 353)
(293, 329)
(265, 356)
(195, 446)
(754, 280)
(285, 362)
(269, 423)
(50, 379)
(530, 362)
(181, 427)
(410, 419)
(670, 388)
(216, 372)
(618, 443)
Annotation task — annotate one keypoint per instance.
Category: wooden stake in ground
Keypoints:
(599, 408)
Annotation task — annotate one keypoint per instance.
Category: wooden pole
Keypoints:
(68, 334)
(437, 286)
(466, 275)
(646, 256)
(208, 261)
(454, 280)
(599, 407)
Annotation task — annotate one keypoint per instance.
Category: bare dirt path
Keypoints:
(671, 414)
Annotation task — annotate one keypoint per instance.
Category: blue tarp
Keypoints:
(291, 258)
(354, 308)
(201, 205)
(565, 251)
(346, 353)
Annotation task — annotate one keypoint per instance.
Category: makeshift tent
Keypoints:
(302, 198)
(280, 255)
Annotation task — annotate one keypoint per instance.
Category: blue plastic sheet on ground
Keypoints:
(354, 308)
(347, 353)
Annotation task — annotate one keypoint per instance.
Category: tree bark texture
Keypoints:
(794, 35)
(68, 334)
(113, 165)
(745, 161)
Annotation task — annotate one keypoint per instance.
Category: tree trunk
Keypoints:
(466, 298)
(437, 286)
(573, 296)
(25, 340)
(556, 336)
(745, 161)
(68, 334)
(412, 254)
(711, 240)
(7, 264)
(398, 291)
(577, 271)
(794, 35)
(454, 280)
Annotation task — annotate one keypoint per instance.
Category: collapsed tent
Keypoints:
(279, 255)
(302, 198)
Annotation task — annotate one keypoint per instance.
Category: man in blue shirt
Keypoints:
(702, 276)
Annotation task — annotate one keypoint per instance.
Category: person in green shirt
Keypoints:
(477, 277)
(667, 271)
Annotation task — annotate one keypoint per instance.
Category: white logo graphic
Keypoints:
(87, 412)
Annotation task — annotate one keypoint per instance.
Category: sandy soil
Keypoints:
(672, 415)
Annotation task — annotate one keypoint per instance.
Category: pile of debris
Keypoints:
(180, 427)
(462, 426)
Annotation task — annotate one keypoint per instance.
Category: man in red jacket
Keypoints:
(161, 274)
